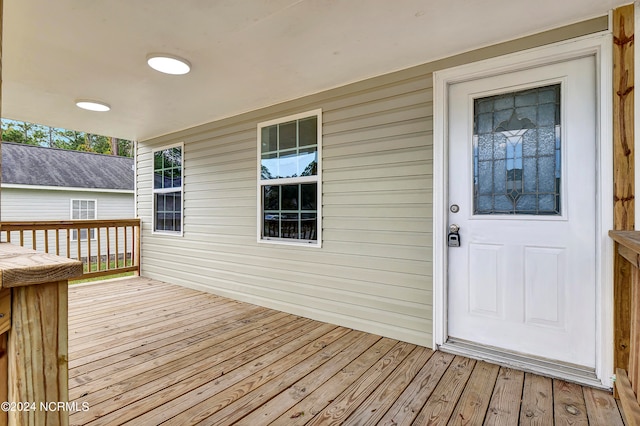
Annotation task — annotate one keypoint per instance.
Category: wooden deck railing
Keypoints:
(627, 321)
(105, 247)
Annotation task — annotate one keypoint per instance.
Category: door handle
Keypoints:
(453, 239)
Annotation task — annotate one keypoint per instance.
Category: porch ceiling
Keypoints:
(245, 54)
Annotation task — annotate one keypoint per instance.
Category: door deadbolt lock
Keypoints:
(453, 238)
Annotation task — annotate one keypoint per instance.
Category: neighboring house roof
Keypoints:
(35, 165)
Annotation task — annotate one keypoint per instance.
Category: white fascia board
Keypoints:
(64, 188)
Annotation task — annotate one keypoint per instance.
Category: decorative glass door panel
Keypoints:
(517, 271)
(516, 152)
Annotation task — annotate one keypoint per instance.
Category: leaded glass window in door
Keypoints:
(516, 152)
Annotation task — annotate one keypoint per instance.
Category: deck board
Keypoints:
(472, 406)
(504, 407)
(145, 352)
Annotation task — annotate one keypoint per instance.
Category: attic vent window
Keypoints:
(168, 64)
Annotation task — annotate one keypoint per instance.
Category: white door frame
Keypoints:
(599, 45)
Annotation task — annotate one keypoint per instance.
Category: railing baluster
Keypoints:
(78, 245)
(98, 257)
(133, 245)
(124, 239)
(108, 247)
(88, 249)
(117, 251)
(138, 238)
(128, 242)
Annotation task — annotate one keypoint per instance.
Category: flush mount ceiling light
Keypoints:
(92, 105)
(168, 64)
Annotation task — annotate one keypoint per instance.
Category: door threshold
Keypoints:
(528, 363)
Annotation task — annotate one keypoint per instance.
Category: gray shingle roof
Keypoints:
(35, 165)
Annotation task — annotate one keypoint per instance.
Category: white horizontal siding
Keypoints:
(374, 270)
(35, 204)
(20, 204)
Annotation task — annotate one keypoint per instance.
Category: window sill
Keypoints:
(287, 242)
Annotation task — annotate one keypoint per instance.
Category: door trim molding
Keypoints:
(599, 46)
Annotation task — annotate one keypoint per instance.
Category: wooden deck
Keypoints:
(144, 352)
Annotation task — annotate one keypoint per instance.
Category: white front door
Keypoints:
(522, 189)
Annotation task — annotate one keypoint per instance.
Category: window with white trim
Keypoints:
(167, 190)
(289, 181)
(83, 210)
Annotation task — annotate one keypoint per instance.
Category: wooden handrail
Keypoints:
(627, 321)
(91, 241)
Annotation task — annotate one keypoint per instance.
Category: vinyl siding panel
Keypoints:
(37, 204)
(374, 269)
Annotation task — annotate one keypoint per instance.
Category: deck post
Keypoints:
(624, 171)
(33, 304)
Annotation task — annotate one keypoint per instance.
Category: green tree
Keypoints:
(35, 134)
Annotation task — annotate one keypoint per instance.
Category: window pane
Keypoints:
(516, 148)
(309, 196)
(288, 135)
(168, 212)
(269, 166)
(168, 203)
(167, 168)
(176, 177)
(288, 164)
(308, 131)
(160, 225)
(285, 218)
(271, 227)
(269, 138)
(176, 157)
(290, 197)
(289, 225)
(308, 225)
(158, 160)
(158, 180)
(308, 162)
(271, 197)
